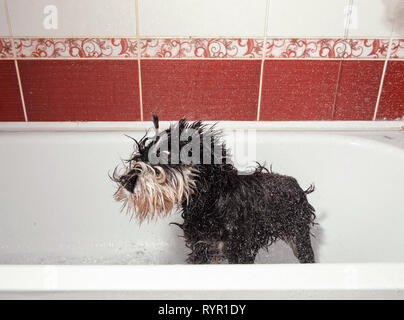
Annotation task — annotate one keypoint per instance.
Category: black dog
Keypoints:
(226, 215)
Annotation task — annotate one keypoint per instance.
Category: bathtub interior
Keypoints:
(56, 204)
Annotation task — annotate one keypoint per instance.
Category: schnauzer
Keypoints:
(226, 215)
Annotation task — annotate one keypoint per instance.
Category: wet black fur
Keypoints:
(232, 216)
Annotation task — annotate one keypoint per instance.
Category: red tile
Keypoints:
(391, 105)
(105, 90)
(196, 89)
(298, 89)
(358, 89)
(10, 98)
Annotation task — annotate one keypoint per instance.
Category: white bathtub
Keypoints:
(63, 236)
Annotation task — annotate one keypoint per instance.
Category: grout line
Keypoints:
(380, 90)
(17, 69)
(21, 91)
(151, 38)
(254, 37)
(9, 29)
(197, 58)
(334, 104)
(263, 60)
(248, 37)
(379, 94)
(140, 89)
(388, 58)
(338, 82)
(348, 19)
(367, 37)
(260, 90)
(70, 37)
(138, 60)
(139, 70)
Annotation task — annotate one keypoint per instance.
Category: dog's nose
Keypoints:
(130, 184)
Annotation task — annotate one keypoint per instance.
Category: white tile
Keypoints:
(74, 18)
(204, 18)
(370, 18)
(395, 13)
(3, 21)
(307, 18)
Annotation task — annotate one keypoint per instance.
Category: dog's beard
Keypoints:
(156, 193)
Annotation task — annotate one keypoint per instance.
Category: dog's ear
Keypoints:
(155, 122)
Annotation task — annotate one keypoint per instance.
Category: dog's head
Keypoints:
(163, 168)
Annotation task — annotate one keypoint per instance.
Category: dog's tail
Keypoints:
(310, 189)
(308, 208)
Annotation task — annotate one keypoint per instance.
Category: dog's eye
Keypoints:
(157, 171)
(129, 182)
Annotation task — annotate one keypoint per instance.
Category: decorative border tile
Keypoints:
(66, 48)
(327, 48)
(218, 48)
(6, 48)
(200, 48)
(397, 49)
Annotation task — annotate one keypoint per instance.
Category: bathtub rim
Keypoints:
(363, 132)
(119, 126)
(261, 278)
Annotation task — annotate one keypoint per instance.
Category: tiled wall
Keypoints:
(102, 60)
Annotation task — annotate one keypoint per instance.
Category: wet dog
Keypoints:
(227, 215)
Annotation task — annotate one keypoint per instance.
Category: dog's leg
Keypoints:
(302, 249)
(199, 254)
(238, 253)
(241, 259)
(249, 257)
